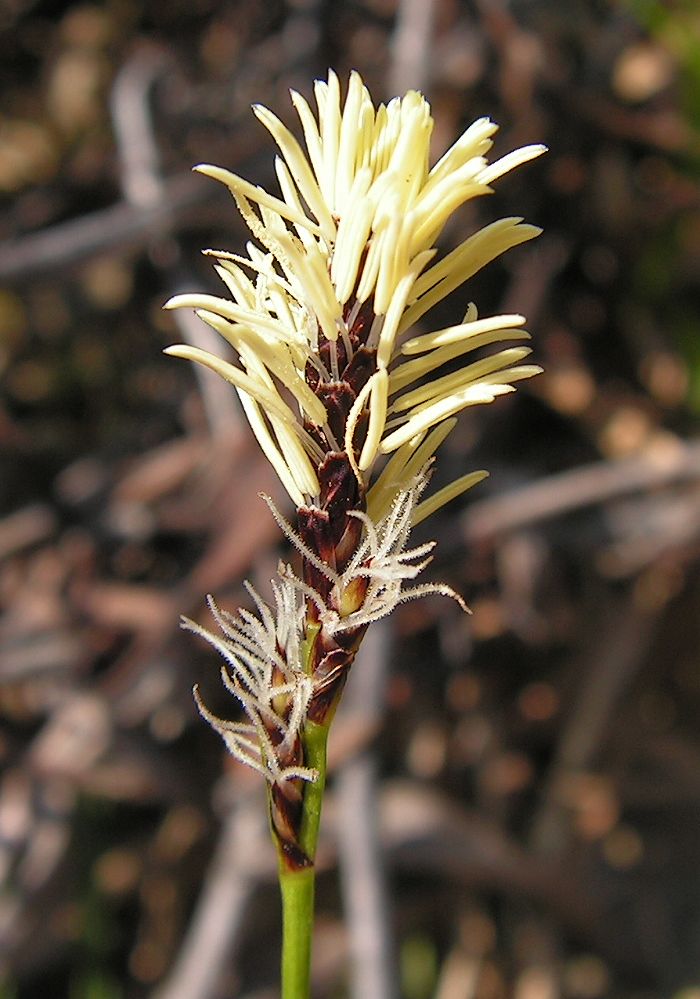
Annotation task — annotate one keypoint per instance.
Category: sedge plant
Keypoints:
(350, 401)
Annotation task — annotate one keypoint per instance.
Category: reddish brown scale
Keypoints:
(333, 672)
(347, 545)
(288, 798)
(327, 529)
(337, 397)
(343, 496)
(315, 530)
(311, 376)
(349, 641)
(294, 857)
(294, 757)
(326, 351)
(285, 818)
(361, 367)
(330, 671)
(340, 492)
(362, 323)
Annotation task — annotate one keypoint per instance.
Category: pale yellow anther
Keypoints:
(276, 357)
(397, 305)
(391, 479)
(447, 385)
(434, 213)
(475, 141)
(237, 185)
(295, 457)
(423, 364)
(428, 416)
(299, 168)
(509, 162)
(446, 494)
(351, 426)
(370, 270)
(365, 130)
(388, 228)
(404, 465)
(291, 196)
(353, 233)
(462, 263)
(468, 330)
(227, 310)
(348, 142)
(516, 374)
(377, 141)
(328, 100)
(240, 286)
(322, 294)
(267, 398)
(377, 418)
(270, 448)
(311, 135)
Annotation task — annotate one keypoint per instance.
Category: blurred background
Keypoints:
(515, 797)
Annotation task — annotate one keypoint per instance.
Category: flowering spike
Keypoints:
(349, 406)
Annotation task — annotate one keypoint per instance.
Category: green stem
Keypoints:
(297, 886)
(297, 927)
(315, 739)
